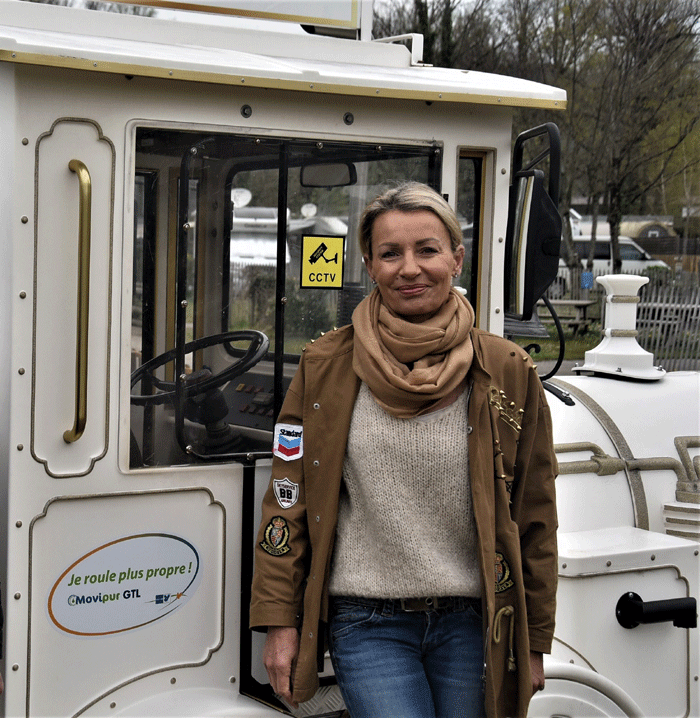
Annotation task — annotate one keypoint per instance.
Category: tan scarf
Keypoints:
(408, 367)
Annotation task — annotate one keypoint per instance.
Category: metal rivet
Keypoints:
(470, 429)
(15, 667)
(498, 311)
(20, 447)
(318, 518)
(25, 141)
(317, 406)
(563, 565)
(348, 118)
(317, 462)
(653, 557)
(608, 563)
(500, 240)
(173, 681)
(246, 111)
(113, 704)
(183, 303)
(18, 596)
(503, 170)
(283, 300)
(22, 295)
(20, 371)
(232, 679)
(25, 219)
(18, 524)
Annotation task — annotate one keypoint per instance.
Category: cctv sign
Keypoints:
(322, 261)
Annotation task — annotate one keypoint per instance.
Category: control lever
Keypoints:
(631, 611)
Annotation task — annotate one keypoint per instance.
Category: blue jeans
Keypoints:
(391, 663)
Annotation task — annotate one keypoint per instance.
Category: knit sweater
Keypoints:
(405, 520)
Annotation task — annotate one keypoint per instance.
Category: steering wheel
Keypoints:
(256, 350)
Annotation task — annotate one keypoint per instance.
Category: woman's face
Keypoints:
(412, 262)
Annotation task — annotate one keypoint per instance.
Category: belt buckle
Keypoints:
(429, 603)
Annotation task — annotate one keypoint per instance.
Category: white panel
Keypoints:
(56, 296)
(122, 547)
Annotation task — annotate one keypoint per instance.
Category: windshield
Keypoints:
(237, 238)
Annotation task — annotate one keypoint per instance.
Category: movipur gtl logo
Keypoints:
(125, 584)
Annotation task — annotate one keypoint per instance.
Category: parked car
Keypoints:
(634, 258)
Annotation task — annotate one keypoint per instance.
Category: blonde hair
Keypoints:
(408, 197)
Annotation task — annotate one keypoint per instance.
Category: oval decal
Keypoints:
(125, 584)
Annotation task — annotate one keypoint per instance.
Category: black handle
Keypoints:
(631, 611)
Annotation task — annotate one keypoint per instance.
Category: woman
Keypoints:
(412, 504)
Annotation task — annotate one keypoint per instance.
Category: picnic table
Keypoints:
(578, 322)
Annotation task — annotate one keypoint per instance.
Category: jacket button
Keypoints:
(470, 429)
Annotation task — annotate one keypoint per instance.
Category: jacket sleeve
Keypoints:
(534, 511)
(282, 542)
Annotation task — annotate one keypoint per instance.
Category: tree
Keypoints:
(646, 69)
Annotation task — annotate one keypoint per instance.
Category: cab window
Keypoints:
(244, 251)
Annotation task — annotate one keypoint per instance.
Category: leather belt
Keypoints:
(432, 603)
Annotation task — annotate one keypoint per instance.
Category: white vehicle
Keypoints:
(634, 258)
(141, 375)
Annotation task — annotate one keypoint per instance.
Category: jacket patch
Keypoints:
(289, 442)
(503, 579)
(276, 537)
(506, 409)
(286, 492)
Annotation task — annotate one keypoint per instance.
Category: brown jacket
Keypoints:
(512, 469)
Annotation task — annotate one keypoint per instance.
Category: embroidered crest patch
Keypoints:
(289, 442)
(503, 579)
(286, 492)
(276, 537)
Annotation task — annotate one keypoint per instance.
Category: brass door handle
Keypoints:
(81, 351)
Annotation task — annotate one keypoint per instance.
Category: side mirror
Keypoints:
(533, 235)
(338, 174)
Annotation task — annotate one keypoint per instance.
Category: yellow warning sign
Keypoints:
(322, 260)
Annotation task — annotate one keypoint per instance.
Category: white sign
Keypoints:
(125, 584)
(336, 13)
